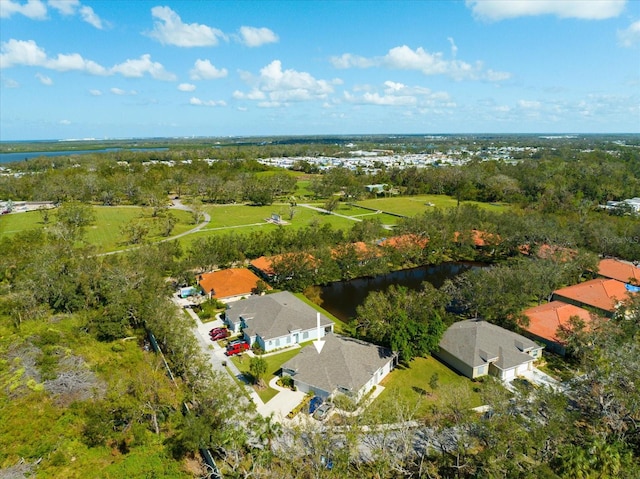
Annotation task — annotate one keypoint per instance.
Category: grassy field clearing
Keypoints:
(105, 233)
(413, 205)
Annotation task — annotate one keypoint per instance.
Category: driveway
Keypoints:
(282, 403)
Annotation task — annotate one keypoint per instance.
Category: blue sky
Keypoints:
(122, 69)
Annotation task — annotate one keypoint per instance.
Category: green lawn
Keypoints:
(105, 233)
(413, 205)
(408, 387)
(274, 363)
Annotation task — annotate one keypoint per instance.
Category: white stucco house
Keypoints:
(276, 321)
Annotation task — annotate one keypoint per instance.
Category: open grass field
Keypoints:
(413, 205)
(105, 232)
(410, 387)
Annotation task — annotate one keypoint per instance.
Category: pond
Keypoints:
(343, 297)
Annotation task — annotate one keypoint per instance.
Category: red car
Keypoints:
(236, 348)
(218, 333)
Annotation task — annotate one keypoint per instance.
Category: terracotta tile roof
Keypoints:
(620, 270)
(404, 241)
(480, 238)
(604, 294)
(547, 251)
(228, 282)
(265, 263)
(361, 249)
(544, 320)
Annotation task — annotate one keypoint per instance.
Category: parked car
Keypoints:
(236, 348)
(323, 411)
(217, 330)
(314, 404)
(220, 334)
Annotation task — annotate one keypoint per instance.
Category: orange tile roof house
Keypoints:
(547, 319)
(264, 264)
(228, 284)
(601, 294)
(620, 270)
(404, 241)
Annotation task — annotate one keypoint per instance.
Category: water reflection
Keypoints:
(343, 297)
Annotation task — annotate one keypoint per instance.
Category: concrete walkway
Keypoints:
(282, 403)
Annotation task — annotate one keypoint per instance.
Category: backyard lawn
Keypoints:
(412, 388)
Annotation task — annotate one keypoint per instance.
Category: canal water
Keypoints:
(343, 297)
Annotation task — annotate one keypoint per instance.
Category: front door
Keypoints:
(296, 338)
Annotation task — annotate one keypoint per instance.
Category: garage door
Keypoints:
(509, 374)
(523, 368)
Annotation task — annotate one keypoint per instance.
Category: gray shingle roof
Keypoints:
(343, 362)
(275, 315)
(477, 342)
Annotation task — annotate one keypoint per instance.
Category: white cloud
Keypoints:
(186, 87)
(28, 53)
(205, 70)
(65, 7)
(275, 87)
(73, 7)
(584, 9)
(74, 61)
(138, 67)
(45, 80)
(255, 37)
(169, 29)
(34, 9)
(454, 48)
(405, 58)
(347, 60)
(121, 92)
(399, 94)
(252, 95)
(19, 52)
(198, 102)
(95, 92)
(630, 36)
(11, 83)
(89, 16)
(529, 104)
(64, 122)
(274, 80)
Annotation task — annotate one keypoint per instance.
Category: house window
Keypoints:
(288, 339)
(277, 342)
(482, 370)
(305, 335)
(270, 343)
